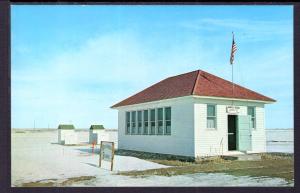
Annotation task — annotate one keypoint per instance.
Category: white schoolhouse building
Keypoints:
(193, 114)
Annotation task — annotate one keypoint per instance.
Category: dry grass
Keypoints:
(57, 182)
(271, 165)
(277, 156)
(153, 156)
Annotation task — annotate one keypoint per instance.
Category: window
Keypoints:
(160, 121)
(152, 121)
(167, 120)
(146, 122)
(149, 122)
(251, 112)
(211, 116)
(133, 122)
(127, 123)
(139, 122)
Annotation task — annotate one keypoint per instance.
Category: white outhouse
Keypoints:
(67, 135)
(193, 114)
(97, 134)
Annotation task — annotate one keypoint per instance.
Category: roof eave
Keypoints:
(236, 99)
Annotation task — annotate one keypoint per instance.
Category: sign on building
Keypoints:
(107, 152)
(232, 109)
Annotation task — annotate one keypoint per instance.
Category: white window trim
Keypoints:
(131, 123)
(143, 121)
(155, 114)
(165, 125)
(159, 134)
(127, 133)
(216, 119)
(254, 112)
(137, 121)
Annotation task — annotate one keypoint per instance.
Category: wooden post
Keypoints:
(100, 156)
(112, 156)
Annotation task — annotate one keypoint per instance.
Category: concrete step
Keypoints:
(245, 157)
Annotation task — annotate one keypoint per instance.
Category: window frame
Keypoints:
(126, 123)
(167, 120)
(253, 118)
(145, 121)
(139, 122)
(160, 121)
(151, 121)
(215, 117)
(133, 123)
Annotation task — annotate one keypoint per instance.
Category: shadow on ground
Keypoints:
(89, 150)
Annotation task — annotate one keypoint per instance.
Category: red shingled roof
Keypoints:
(198, 83)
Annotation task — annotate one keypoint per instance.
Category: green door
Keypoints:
(244, 133)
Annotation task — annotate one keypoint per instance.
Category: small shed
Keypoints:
(97, 134)
(66, 134)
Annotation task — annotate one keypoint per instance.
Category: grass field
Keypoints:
(271, 165)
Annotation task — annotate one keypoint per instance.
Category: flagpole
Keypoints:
(232, 74)
(232, 82)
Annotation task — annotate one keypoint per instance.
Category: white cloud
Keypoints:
(248, 30)
(80, 84)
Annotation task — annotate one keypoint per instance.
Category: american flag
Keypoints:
(233, 50)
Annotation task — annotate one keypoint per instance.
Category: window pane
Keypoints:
(133, 130)
(160, 130)
(160, 127)
(128, 130)
(152, 118)
(152, 123)
(168, 120)
(211, 122)
(139, 115)
(152, 129)
(160, 123)
(160, 114)
(168, 113)
(127, 116)
(251, 111)
(127, 122)
(145, 129)
(211, 110)
(145, 115)
(139, 130)
(145, 132)
(133, 119)
(133, 116)
(168, 127)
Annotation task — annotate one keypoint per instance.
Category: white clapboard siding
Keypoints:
(181, 140)
(209, 142)
(190, 135)
(259, 133)
(66, 133)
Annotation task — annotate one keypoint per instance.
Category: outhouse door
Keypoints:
(244, 133)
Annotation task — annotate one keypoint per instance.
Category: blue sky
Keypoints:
(71, 63)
